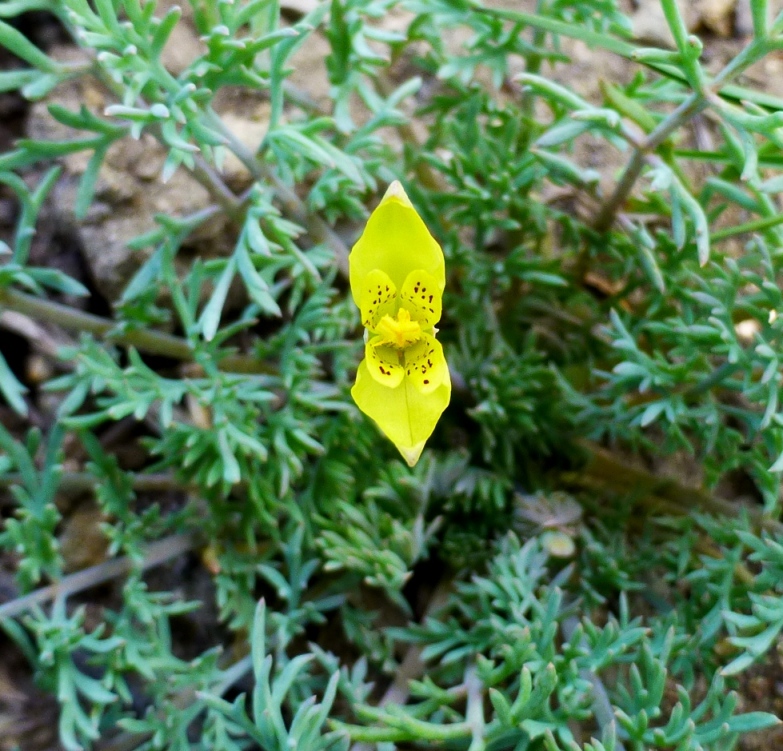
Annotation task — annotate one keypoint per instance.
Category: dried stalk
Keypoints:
(84, 482)
(605, 473)
(155, 554)
(152, 342)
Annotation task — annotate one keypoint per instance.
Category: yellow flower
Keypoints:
(397, 274)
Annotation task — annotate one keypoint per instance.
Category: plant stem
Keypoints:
(474, 712)
(605, 473)
(690, 107)
(154, 554)
(717, 376)
(411, 666)
(152, 342)
(693, 105)
(219, 191)
(234, 673)
(318, 229)
(426, 174)
(82, 482)
(202, 172)
(756, 225)
(602, 705)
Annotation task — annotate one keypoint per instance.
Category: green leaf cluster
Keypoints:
(509, 592)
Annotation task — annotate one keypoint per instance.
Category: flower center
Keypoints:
(398, 332)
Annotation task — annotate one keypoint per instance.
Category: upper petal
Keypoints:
(396, 241)
(376, 298)
(422, 297)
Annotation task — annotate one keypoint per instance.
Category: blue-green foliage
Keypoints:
(547, 606)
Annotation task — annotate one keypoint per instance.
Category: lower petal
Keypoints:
(405, 415)
(425, 364)
(383, 363)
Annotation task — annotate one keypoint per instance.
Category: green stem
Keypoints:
(152, 342)
(412, 665)
(601, 704)
(202, 172)
(627, 50)
(293, 206)
(605, 473)
(755, 226)
(717, 376)
(690, 107)
(694, 104)
(405, 729)
(318, 229)
(220, 192)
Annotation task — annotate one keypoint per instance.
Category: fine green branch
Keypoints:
(697, 102)
(231, 204)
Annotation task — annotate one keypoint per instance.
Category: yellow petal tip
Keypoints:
(395, 190)
(411, 454)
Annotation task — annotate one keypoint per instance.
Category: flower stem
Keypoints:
(82, 482)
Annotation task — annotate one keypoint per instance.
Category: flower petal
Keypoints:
(383, 363)
(422, 298)
(396, 241)
(404, 414)
(377, 298)
(425, 364)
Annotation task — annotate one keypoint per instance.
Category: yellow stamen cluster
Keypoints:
(399, 332)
